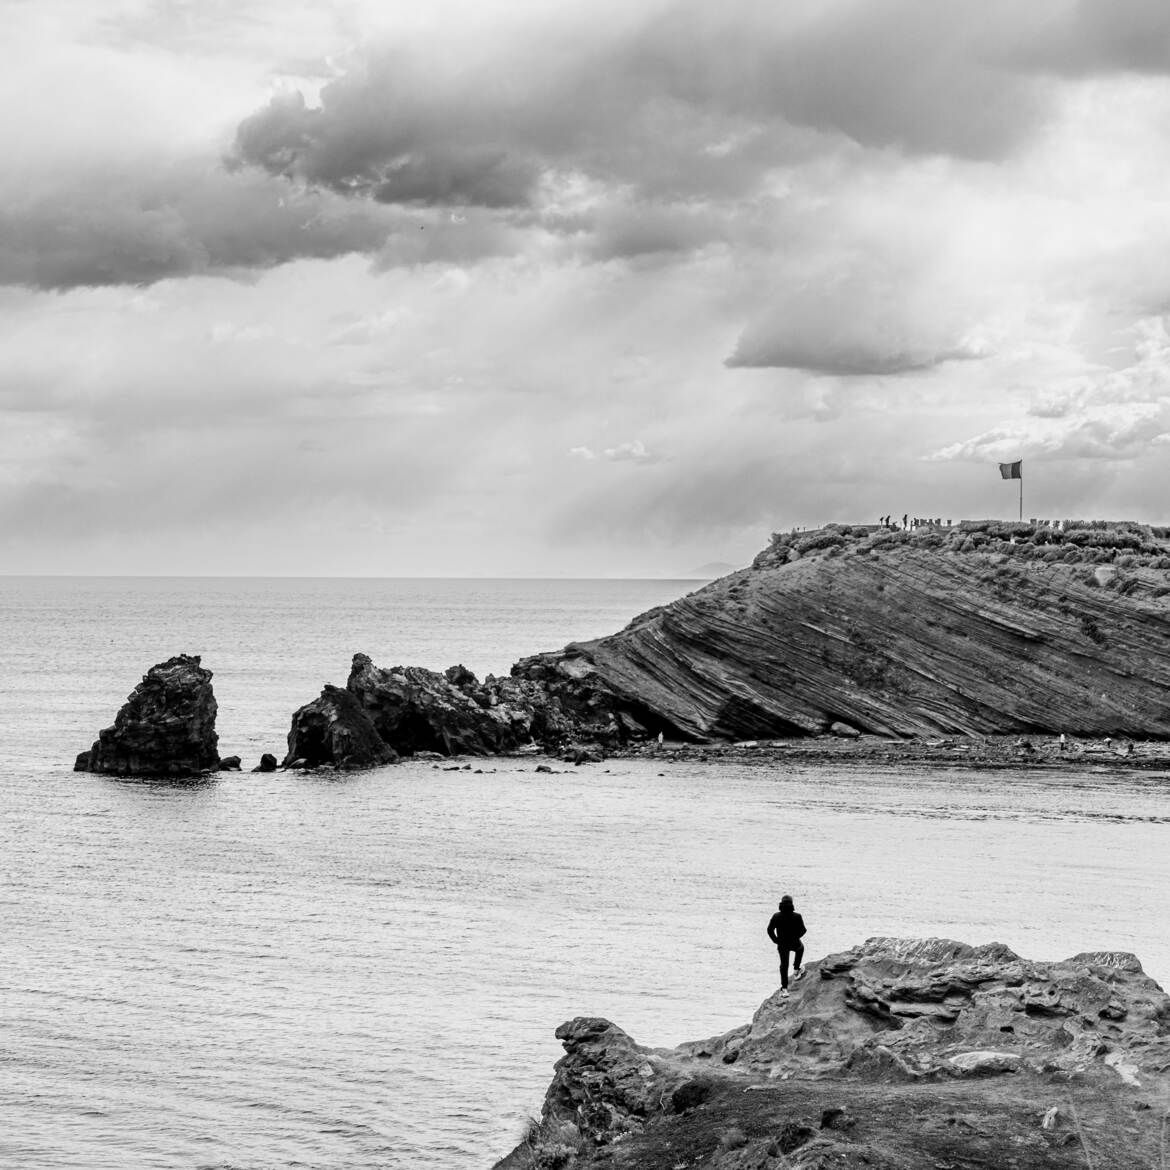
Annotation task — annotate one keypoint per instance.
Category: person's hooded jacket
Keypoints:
(786, 928)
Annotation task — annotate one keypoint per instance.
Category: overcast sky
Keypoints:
(481, 287)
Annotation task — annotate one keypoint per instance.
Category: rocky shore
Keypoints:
(900, 1054)
(977, 645)
(988, 752)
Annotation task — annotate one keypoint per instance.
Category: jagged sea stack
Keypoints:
(333, 729)
(166, 728)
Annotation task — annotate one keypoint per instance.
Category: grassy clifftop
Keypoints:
(979, 628)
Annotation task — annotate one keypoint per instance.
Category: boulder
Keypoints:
(229, 764)
(267, 763)
(165, 728)
(334, 729)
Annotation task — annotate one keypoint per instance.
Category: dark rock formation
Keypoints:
(166, 728)
(414, 710)
(267, 763)
(334, 729)
(229, 764)
(900, 1053)
(951, 631)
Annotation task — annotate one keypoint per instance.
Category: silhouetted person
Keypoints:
(786, 928)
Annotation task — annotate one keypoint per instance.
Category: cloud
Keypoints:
(632, 452)
(187, 220)
(635, 451)
(846, 343)
(1118, 415)
(878, 319)
(1094, 37)
(688, 100)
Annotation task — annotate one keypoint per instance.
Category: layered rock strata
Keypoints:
(897, 635)
(898, 1053)
(165, 728)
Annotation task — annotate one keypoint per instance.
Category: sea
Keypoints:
(350, 971)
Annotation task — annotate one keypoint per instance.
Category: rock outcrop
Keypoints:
(973, 630)
(335, 729)
(898, 1053)
(408, 709)
(414, 709)
(165, 728)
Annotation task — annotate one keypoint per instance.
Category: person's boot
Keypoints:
(798, 973)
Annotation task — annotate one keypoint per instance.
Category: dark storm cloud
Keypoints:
(118, 229)
(1092, 37)
(698, 99)
(372, 137)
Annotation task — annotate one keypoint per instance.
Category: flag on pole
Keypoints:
(1011, 470)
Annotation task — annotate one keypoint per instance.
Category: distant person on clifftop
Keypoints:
(786, 928)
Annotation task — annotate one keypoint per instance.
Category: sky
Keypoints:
(475, 288)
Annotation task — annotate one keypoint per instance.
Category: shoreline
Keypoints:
(983, 753)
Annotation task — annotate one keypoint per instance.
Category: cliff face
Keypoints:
(898, 634)
(900, 1053)
(165, 728)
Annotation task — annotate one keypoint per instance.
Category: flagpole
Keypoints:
(1021, 495)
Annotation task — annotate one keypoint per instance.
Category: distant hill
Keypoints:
(979, 629)
(711, 570)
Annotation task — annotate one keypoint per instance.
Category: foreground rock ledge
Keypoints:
(898, 1054)
(165, 728)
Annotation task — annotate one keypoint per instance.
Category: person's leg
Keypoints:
(797, 959)
(783, 967)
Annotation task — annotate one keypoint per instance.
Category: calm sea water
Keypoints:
(365, 971)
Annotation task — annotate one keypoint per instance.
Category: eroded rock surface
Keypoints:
(335, 729)
(414, 709)
(165, 728)
(409, 710)
(899, 1053)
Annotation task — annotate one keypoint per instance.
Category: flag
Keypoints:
(1011, 470)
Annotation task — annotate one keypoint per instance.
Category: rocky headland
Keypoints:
(946, 637)
(899, 1054)
(981, 629)
(165, 728)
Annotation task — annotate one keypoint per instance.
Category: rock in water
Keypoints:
(414, 709)
(166, 728)
(334, 729)
(267, 763)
